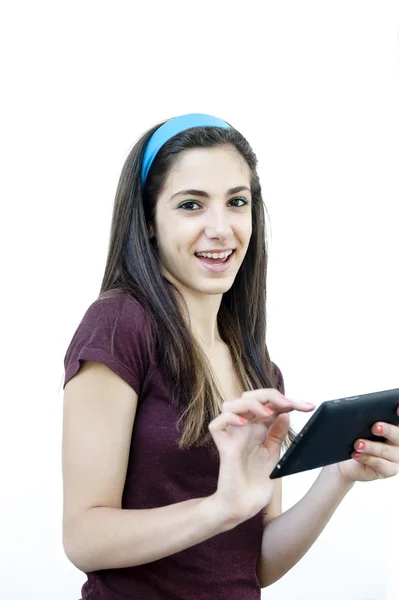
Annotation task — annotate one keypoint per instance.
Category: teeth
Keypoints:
(215, 255)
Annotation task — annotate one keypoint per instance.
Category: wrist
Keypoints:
(333, 473)
(219, 514)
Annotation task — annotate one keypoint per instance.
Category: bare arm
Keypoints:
(99, 412)
(275, 506)
(288, 537)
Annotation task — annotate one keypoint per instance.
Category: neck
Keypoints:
(202, 317)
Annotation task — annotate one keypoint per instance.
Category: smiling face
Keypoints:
(204, 206)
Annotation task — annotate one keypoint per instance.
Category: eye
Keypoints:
(239, 199)
(183, 206)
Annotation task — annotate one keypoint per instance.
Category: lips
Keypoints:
(214, 265)
(230, 250)
(213, 261)
(214, 251)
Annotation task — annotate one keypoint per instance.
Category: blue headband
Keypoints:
(169, 130)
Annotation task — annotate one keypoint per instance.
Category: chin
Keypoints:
(216, 287)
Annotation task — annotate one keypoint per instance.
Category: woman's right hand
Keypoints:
(250, 450)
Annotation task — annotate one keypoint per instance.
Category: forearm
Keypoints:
(110, 538)
(288, 537)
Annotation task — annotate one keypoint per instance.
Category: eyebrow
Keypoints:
(202, 194)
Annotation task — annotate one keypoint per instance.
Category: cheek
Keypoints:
(173, 251)
(245, 231)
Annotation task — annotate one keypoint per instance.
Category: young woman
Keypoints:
(174, 414)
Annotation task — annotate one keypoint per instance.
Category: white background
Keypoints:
(314, 87)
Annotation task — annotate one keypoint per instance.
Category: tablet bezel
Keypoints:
(360, 413)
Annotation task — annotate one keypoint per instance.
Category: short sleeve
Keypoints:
(113, 332)
(280, 386)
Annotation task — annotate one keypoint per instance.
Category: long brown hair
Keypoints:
(133, 266)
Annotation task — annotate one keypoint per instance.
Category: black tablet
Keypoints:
(329, 435)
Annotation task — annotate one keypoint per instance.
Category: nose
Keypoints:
(218, 223)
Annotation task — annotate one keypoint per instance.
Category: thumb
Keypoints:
(276, 435)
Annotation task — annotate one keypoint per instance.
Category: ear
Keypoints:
(151, 233)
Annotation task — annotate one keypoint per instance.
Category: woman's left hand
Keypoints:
(373, 460)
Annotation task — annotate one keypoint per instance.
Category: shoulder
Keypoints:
(116, 303)
(117, 316)
(116, 312)
(115, 331)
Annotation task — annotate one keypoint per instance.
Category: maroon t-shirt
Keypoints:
(158, 473)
